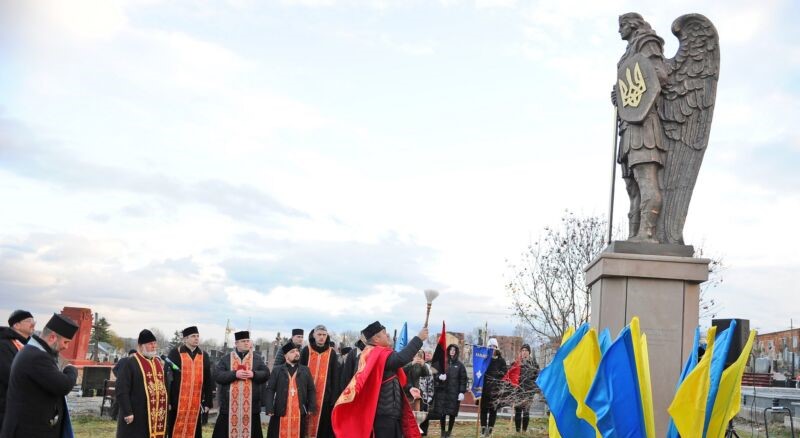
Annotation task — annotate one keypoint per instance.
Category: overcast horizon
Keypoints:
(297, 162)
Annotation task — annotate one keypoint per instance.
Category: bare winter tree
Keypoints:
(547, 287)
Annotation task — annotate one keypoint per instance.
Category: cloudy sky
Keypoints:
(294, 162)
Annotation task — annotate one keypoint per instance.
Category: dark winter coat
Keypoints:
(7, 352)
(445, 394)
(224, 376)
(493, 378)
(414, 373)
(529, 371)
(207, 397)
(278, 390)
(35, 407)
(391, 395)
(132, 400)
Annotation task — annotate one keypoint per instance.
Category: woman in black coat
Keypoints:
(449, 390)
(491, 388)
(529, 371)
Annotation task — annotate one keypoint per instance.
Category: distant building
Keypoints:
(780, 346)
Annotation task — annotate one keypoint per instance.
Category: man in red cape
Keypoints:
(373, 404)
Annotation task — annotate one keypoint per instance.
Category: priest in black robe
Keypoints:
(290, 396)
(36, 405)
(241, 370)
(191, 392)
(142, 392)
(323, 363)
(12, 339)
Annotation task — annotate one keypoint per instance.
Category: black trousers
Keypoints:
(450, 425)
(521, 417)
(385, 427)
(488, 413)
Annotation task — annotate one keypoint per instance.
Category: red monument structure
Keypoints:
(76, 353)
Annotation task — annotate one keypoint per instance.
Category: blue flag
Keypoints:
(722, 343)
(481, 357)
(614, 396)
(402, 340)
(605, 341)
(553, 383)
(691, 362)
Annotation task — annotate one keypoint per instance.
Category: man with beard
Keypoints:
(191, 391)
(529, 371)
(12, 339)
(322, 360)
(450, 388)
(291, 396)
(36, 407)
(297, 340)
(373, 404)
(142, 392)
(491, 387)
(241, 376)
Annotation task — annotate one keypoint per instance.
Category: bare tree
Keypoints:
(548, 289)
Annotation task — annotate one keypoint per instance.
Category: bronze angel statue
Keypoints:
(664, 109)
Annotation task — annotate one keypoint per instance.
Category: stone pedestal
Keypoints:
(664, 292)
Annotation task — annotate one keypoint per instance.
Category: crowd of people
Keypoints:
(311, 390)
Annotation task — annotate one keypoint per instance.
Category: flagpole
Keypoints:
(478, 423)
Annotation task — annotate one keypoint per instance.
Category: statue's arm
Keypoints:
(653, 51)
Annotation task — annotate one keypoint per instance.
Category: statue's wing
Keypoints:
(685, 109)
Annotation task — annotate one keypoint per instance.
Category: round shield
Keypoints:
(637, 88)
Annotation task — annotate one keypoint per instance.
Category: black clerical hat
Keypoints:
(17, 316)
(241, 335)
(188, 331)
(296, 332)
(372, 330)
(287, 347)
(62, 326)
(146, 337)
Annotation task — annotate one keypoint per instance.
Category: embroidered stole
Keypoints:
(18, 344)
(240, 404)
(290, 422)
(318, 364)
(156, 394)
(190, 396)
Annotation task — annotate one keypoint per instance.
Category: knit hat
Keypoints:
(493, 343)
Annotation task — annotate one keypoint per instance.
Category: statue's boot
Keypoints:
(647, 228)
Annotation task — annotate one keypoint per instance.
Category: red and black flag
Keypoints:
(439, 360)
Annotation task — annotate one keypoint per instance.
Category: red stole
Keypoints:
(156, 393)
(18, 344)
(240, 403)
(318, 364)
(290, 422)
(354, 413)
(190, 396)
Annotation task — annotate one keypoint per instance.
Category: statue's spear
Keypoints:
(613, 176)
(430, 295)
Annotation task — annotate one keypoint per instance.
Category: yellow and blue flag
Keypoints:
(688, 408)
(690, 364)
(615, 396)
(727, 403)
(553, 383)
(720, 355)
(580, 367)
